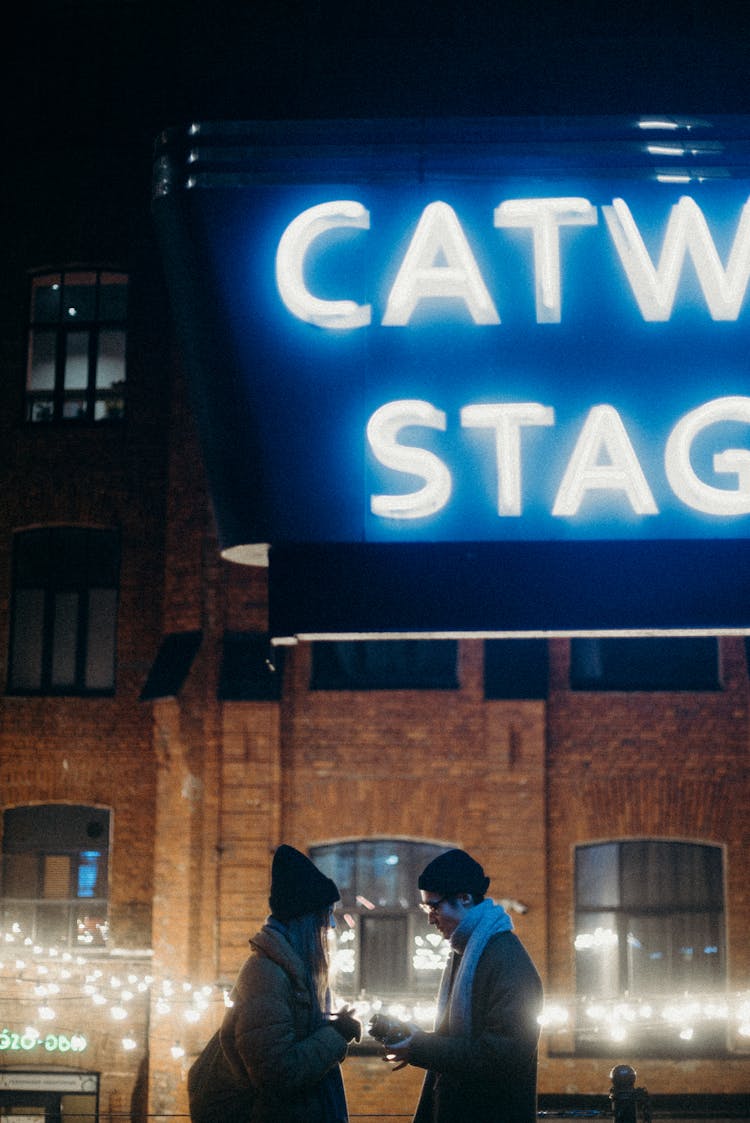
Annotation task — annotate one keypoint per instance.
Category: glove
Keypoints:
(347, 1025)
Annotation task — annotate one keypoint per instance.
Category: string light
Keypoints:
(51, 973)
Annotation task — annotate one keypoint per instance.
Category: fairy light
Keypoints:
(55, 974)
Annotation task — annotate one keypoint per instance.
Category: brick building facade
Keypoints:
(143, 789)
(200, 787)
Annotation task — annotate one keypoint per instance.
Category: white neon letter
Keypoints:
(290, 265)
(685, 484)
(604, 436)
(544, 217)
(382, 432)
(507, 418)
(439, 236)
(687, 233)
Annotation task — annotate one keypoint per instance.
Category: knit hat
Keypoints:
(453, 872)
(297, 886)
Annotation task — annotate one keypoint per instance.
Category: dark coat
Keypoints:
(273, 1033)
(489, 1077)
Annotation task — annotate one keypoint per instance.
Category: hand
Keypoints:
(399, 1053)
(346, 1024)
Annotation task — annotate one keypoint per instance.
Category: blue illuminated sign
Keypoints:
(469, 332)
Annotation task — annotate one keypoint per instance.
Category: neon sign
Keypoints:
(12, 1041)
(445, 333)
(439, 263)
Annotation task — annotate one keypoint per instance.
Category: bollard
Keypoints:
(626, 1098)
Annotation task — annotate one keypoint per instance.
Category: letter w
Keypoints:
(687, 232)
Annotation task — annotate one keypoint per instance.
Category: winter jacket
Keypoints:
(274, 1033)
(489, 1076)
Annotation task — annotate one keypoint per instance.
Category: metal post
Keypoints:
(626, 1098)
(622, 1094)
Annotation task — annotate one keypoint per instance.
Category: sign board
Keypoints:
(518, 342)
(21, 1080)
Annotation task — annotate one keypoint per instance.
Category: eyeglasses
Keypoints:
(431, 906)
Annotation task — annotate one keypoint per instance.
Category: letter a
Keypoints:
(439, 235)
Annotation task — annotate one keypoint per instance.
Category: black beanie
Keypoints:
(454, 872)
(297, 886)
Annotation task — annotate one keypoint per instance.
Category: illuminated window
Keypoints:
(385, 665)
(650, 925)
(645, 663)
(386, 948)
(64, 613)
(77, 336)
(54, 879)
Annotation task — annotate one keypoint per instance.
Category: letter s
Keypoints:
(382, 433)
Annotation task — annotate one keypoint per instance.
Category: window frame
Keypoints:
(357, 908)
(54, 831)
(57, 589)
(43, 406)
(613, 928)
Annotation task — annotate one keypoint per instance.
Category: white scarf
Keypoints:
(468, 942)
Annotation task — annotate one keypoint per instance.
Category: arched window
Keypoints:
(385, 947)
(55, 878)
(650, 926)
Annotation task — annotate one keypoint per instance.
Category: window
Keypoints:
(645, 663)
(385, 945)
(384, 665)
(54, 874)
(76, 360)
(516, 668)
(650, 925)
(64, 613)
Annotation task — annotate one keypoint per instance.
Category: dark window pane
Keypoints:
(110, 360)
(385, 665)
(64, 610)
(384, 954)
(21, 875)
(100, 647)
(644, 663)
(113, 296)
(46, 294)
(64, 640)
(598, 876)
(76, 361)
(41, 374)
(26, 649)
(670, 875)
(515, 668)
(79, 297)
(53, 924)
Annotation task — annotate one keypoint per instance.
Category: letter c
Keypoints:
(290, 265)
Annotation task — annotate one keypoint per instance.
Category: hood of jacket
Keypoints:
(272, 942)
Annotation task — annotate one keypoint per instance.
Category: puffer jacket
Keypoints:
(273, 1033)
(489, 1076)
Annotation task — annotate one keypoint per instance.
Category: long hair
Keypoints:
(308, 935)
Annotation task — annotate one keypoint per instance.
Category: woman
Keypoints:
(279, 1031)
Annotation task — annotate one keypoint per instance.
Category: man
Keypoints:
(481, 1059)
